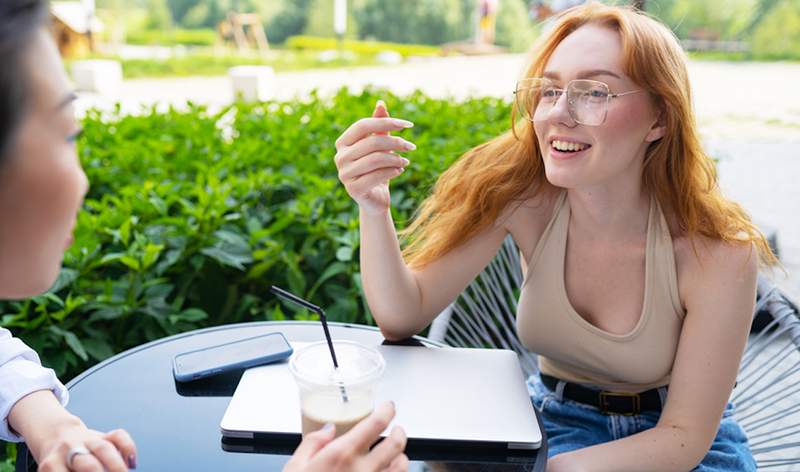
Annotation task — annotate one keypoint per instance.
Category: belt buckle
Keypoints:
(636, 402)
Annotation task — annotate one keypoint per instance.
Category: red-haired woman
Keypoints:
(640, 276)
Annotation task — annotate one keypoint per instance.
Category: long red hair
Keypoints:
(474, 191)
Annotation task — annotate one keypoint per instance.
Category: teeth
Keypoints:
(568, 146)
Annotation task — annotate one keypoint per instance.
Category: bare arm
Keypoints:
(402, 301)
(719, 302)
(50, 430)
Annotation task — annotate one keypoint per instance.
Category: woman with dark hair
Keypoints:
(42, 187)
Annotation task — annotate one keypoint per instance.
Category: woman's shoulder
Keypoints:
(701, 261)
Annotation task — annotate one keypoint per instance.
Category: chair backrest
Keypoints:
(767, 395)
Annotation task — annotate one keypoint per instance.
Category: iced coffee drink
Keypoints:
(342, 396)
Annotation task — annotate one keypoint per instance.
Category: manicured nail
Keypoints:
(410, 146)
(402, 123)
(132, 461)
(404, 161)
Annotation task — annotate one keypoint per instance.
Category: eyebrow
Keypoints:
(584, 74)
(69, 98)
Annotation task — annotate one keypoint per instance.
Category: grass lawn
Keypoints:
(299, 53)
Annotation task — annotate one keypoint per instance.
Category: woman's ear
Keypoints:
(658, 128)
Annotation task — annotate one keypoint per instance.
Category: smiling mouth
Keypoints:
(568, 146)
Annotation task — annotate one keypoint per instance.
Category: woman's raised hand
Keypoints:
(366, 158)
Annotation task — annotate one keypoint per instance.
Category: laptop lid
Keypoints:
(448, 396)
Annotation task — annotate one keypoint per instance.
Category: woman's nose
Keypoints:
(559, 112)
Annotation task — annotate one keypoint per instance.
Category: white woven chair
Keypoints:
(767, 396)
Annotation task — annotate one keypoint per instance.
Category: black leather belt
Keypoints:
(609, 403)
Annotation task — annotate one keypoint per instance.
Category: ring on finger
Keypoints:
(76, 451)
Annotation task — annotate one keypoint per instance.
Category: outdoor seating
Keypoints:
(767, 395)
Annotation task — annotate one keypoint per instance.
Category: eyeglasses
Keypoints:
(587, 100)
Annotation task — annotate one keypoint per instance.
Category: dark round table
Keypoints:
(176, 426)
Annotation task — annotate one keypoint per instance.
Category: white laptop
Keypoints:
(443, 396)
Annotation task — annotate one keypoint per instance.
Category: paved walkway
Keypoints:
(748, 113)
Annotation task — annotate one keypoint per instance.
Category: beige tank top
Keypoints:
(575, 350)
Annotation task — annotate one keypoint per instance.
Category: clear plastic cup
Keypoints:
(342, 396)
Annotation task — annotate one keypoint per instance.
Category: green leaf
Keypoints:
(151, 253)
(344, 253)
(130, 262)
(159, 204)
(125, 231)
(233, 239)
(333, 270)
(294, 276)
(168, 260)
(227, 258)
(72, 341)
(277, 314)
(193, 314)
(344, 309)
(107, 313)
(98, 348)
(159, 290)
(65, 277)
(111, 257)
(42, 300)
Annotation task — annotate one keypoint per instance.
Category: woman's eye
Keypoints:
(598, 94)
(550, 93)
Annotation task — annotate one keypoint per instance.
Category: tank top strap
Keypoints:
(666, 277)
(559, 210)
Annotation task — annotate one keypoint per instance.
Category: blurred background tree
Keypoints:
(288, 18)
(160, 16)
(420, 21)
(769, 27)
(320, 19)
(709, 19)
(431, 22)
(777, 36)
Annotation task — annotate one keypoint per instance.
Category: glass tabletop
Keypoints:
(176, 426)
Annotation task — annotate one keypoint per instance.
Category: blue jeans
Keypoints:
(571, 425)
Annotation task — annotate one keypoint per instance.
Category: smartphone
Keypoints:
(230, 356)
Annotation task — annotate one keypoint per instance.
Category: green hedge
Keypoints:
(191, 216)
(361, 47)
(173, 37)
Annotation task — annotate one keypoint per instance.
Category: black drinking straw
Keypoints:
(306, 304)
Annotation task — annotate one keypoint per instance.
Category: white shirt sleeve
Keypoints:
(22, 373)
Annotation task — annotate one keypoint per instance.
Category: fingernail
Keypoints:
(380, 103)
(132, 461)
(410, 146)
(327, 427)
(402, 123)
(404, 161)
